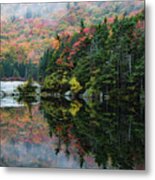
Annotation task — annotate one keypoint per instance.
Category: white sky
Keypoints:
(16, 1)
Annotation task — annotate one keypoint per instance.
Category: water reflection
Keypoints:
(75, 134)
(10, 101)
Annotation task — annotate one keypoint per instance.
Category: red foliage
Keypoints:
(59, 61)
(86, 30)
(110, 20)
(82, 39)
(59, 128)
(70, 64)
(31, 32)
(72, 53)
(69, 58)
(67, 49)
(140, 25)
(76, 44)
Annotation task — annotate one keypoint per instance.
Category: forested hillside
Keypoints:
(28, 30)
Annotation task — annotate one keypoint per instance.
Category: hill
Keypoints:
(27, 30)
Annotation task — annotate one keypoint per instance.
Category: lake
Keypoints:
(57, 132)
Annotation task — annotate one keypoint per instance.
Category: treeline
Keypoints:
(10, 68)
(107, 59)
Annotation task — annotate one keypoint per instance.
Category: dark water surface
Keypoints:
(73, 134)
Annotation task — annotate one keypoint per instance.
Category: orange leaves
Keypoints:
(55, 44)
(30, 35)
(68, 64)
(25, 46)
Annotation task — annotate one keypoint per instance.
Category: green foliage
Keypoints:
(28, 88)
(107, 59)
(56, 82)
(11, 68)
(82, 24)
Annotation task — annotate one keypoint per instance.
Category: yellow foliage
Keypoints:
(75, 107)
(64, 80)
(75, 85)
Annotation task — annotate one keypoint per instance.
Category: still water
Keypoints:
(72, 134)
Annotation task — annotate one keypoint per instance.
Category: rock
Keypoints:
(68, 93)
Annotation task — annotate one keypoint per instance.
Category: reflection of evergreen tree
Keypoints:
(113, 132)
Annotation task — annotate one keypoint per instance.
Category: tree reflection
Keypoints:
(112, 132)
(108, 135)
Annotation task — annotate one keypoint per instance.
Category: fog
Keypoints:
(36, 9)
